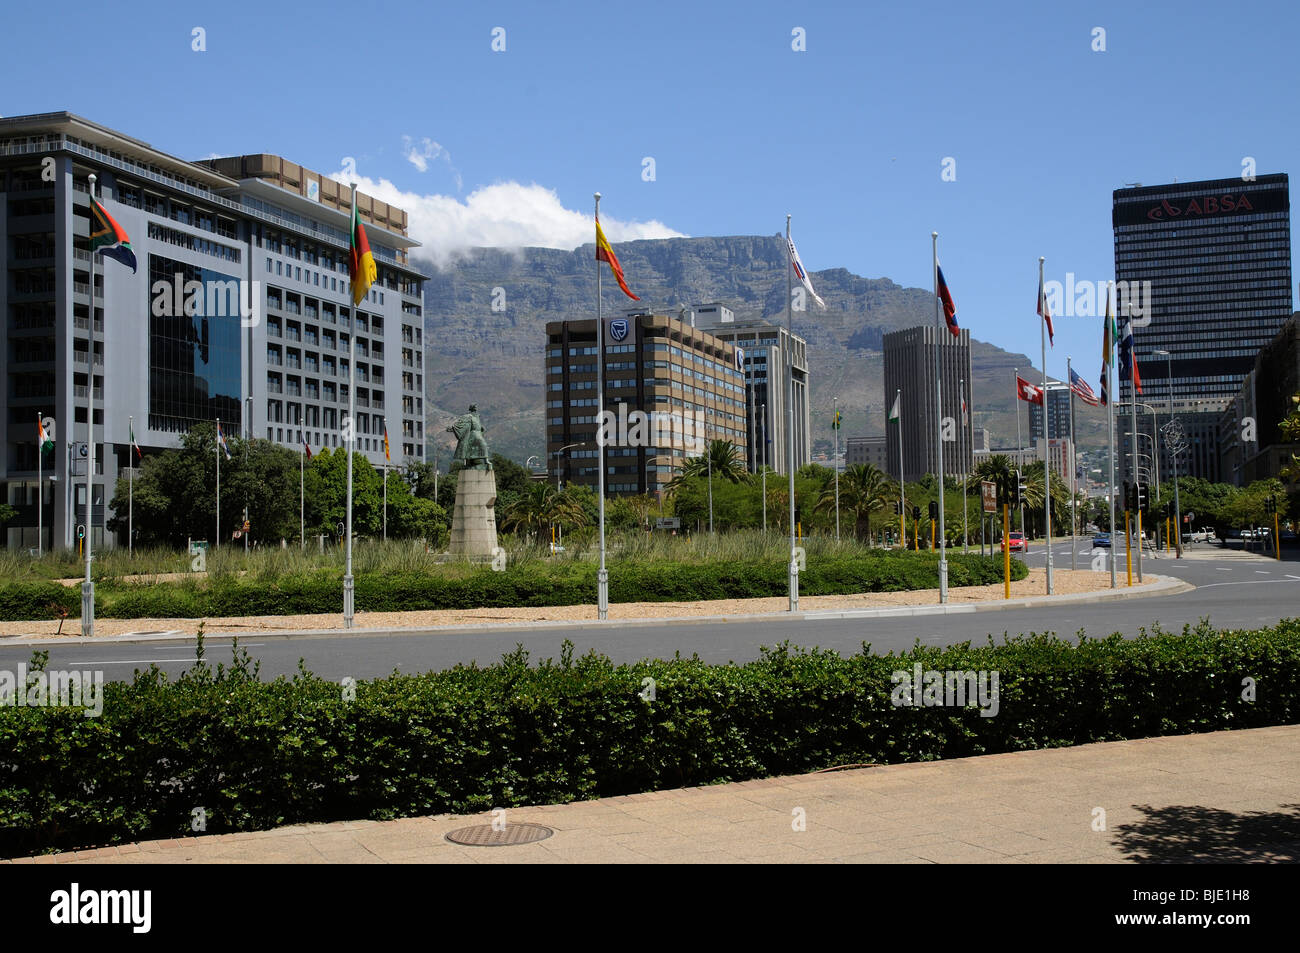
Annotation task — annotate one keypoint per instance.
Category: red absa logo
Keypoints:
(1208, 205)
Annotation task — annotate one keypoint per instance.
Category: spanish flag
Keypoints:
(387, 455)
(605, 253)
(361, 265)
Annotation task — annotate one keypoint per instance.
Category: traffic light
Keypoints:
(1270, 505)
(1128, 495)
(898, 507)
(1141, 496)
(916, 512)
(934, 509)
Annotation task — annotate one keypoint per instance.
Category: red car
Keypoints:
(1018, 543)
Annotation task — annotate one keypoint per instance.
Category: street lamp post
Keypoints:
(1170, 444)
(559, 456)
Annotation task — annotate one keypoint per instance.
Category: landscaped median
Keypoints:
(528, 582)
(241, 754)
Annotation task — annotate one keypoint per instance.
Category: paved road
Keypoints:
(1232, 590)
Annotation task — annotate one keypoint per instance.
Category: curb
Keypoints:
(1160, 586)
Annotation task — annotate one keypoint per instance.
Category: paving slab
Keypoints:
(1230, 796)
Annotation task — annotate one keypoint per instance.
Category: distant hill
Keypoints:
(496, 358)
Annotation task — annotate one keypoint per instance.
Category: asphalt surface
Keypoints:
(1232, 591)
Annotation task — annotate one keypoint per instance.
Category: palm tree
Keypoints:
(992, 469)
(538, 507)
(864, 489)
(724, 458)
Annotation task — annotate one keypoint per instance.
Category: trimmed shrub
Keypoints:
(256, 754)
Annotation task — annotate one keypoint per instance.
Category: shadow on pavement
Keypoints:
(1186, 835)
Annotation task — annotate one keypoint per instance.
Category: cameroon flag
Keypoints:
(361, 265)
(605, 253)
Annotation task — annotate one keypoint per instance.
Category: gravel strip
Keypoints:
(1067, 582)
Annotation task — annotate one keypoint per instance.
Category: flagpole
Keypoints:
(1020, 456)
(385, 502)
(302, 498)
(961, 453)
(1110, 426)
(602, 575)
(938, 417)
(902, 484)
(1074, 471)
(1133, 404)
(835, 462)
(789, 373)
(40, 475)
(130, 490)
(1047, 442)
(218, 449)
(349, 583)
(762, 439)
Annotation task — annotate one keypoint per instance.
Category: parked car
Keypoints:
(1018, 544)
(1101, 540)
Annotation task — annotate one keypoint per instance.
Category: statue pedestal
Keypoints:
(473, 521)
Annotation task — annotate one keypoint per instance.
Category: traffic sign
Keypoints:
(989, 494)
(668, 522)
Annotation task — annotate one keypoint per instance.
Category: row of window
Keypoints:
(193, 243)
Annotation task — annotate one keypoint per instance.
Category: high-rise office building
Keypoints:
(867, 451)
(670, 389)
(1217, 255)
(767, 347)
(909, 366)
(1058, 410)
(240, 310)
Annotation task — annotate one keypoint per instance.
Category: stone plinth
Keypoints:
(474, 521)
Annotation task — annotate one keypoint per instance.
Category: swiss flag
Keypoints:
(1027, 391)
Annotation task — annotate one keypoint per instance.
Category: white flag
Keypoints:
(802, 274)
(893, 414)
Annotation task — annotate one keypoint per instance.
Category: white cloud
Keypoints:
(502, 215)
(420, 154)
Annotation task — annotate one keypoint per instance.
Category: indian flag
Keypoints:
(42, 438)
(361, 265)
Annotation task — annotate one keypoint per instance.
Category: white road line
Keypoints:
(1263, 572)
(1221, 569)
(130, 661)
(1289, 576)
(1252, 582)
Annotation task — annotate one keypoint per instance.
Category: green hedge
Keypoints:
(534, 583)
(254, 755)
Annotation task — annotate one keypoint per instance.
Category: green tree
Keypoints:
(725, 459)
(864, 490)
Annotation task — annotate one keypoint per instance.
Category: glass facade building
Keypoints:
(1217, 255)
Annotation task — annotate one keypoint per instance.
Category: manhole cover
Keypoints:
(483, 835)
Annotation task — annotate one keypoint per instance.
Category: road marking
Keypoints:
(1263, 572)
(141, 661)
(1221, 569)
(130, 661)
(1289, 576)
(1252, 582)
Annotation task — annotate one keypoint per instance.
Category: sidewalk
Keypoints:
(1220, 797)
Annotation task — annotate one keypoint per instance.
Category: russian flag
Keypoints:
(949, 309)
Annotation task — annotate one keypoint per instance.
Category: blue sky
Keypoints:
(849, 135)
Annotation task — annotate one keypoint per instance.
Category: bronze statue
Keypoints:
(471, 445)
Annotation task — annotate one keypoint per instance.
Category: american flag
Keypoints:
(1080, 387)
